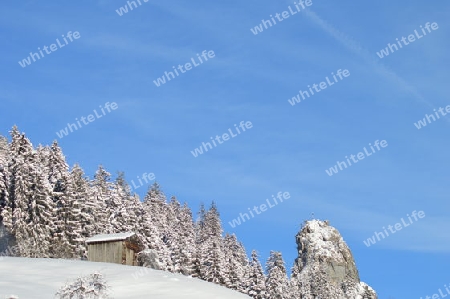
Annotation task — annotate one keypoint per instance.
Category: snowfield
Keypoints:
(41, 278)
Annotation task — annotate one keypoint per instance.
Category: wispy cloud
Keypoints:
(355, 47)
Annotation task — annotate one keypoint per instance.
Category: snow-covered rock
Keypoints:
(326, 268)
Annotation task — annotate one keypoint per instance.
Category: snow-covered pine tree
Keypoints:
(277, 283)
(103, 201)
(211, 255)
(183, 240)
(152, 239)
(156, 223)
(156, 206)
(4, 176)
(9, 207)
(16, 212)
(199, 225)
(123, 217)
(295, 282)
(40, 220)
(5, 237)
(188, 239)
(83, 209)
(28, 215)
(142, 223)
(236, 263)
(171, 233)
(55, 168)
(256, 287)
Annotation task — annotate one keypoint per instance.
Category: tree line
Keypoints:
(48, 210)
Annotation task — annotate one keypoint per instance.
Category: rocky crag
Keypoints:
(325, 268)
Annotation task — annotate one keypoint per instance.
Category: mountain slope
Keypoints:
(41, 278)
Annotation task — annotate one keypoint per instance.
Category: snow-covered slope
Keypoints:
(41, 278)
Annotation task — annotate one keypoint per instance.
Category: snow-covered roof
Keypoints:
(109, 237)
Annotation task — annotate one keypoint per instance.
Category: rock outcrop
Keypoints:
(325, 268)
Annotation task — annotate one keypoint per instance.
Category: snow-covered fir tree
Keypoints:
(295, 282)
(30, 212)
(277, 283)
(19, 212)
(183, 247)
(41, 223)
(123, 217)
(4, 176)
(103, 202)
(256, 280)
(155, 207)
(82, 219)
(171, 231)
(237, 266)
(199, 225)
(57, 171)
(210, 250)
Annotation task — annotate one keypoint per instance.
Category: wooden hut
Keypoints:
(115, 248)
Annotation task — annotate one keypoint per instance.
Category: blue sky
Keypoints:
(251, 78)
